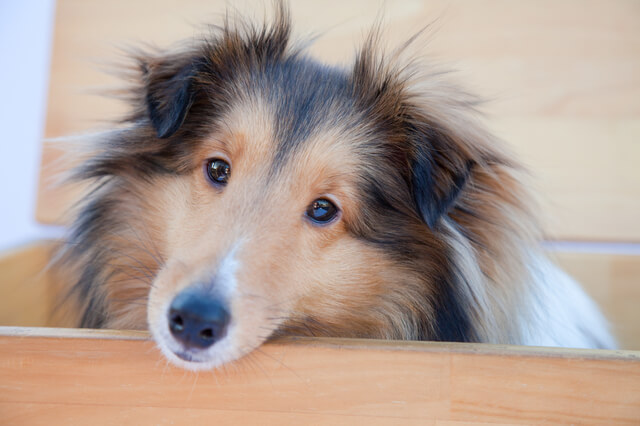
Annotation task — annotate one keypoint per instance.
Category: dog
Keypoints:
(253, 192)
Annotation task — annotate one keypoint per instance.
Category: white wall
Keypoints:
(25, 42)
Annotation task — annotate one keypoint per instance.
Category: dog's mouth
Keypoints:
(188, 356)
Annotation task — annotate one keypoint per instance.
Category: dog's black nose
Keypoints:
(197, 319)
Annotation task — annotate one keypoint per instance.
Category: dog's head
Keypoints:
(269, 194)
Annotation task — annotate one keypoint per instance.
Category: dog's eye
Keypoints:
(218, 171)
(321, 211)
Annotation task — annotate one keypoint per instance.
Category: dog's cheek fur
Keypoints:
(149, 215)
(353, 290)
(114, 252)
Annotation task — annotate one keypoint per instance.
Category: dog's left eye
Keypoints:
(321, 211)
(218, 171)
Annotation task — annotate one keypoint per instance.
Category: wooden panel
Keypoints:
(613, 280)
(564, 78)
(26, 289)
(67, 373)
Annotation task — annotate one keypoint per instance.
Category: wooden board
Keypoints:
(564, 79)
(72, 376)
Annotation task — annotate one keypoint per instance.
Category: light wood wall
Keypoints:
(563, 78)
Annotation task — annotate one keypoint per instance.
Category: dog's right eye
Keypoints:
(218, 171)
(322, 211)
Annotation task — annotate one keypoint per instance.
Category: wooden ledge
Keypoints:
(345, 344)
(76, 375)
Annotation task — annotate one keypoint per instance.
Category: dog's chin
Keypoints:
(192, 361)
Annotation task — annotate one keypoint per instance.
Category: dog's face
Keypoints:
(261, 234)
(272, 226)
(278, 196)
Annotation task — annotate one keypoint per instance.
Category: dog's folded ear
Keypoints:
(169, 94)
(439, 174)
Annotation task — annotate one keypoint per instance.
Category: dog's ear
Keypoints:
(169, 94)
(439, 174)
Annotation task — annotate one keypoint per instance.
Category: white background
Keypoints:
(25, 42)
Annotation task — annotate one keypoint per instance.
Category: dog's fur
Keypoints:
(435, 239)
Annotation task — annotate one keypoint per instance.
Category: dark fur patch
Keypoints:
(436, 180)
(169, 99)
(308, 97)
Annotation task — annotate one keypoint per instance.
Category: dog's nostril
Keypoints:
(207, 333)
(176, 324)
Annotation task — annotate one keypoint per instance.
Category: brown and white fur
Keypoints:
(434, 238)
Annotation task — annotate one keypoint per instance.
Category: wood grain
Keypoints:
(563, 79)
(94, 414)
(314, 380)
